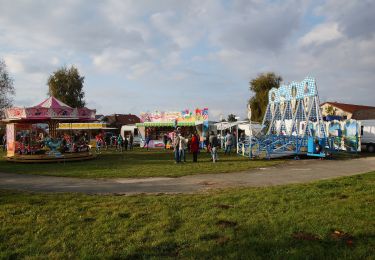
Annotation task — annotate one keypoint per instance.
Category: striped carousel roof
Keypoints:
(52, 102)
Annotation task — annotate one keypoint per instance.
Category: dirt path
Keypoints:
(291, 172)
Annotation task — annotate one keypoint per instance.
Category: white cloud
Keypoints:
(14, 63)
(189, 53)
(321, 34)
(140, 69)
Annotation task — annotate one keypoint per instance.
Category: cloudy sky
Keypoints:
(170, 55)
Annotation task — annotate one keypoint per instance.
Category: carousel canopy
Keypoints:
(53, 102)
(49, 109)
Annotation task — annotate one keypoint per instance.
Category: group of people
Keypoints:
(181, 144)
(104, 141)
(192, 144)
(124, 143)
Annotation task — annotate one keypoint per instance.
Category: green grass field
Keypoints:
(137, 163)
(285, 222)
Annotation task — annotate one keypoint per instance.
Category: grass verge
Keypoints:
(324, 220)
(137, 163)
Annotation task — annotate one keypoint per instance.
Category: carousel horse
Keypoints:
(53, 145)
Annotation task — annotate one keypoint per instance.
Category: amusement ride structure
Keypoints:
(27, 141)
(293, 125)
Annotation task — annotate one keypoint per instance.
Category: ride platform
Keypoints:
(47, 158)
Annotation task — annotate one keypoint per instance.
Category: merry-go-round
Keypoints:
(32, 135)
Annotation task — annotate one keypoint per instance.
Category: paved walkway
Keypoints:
(292, 172)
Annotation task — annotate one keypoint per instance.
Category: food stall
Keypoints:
(32, 134)
(157, 125)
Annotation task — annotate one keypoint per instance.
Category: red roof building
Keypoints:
(118, 120)
(348, 111)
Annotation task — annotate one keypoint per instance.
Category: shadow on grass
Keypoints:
(251, 243)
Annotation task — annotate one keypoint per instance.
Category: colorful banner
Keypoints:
(184, 116)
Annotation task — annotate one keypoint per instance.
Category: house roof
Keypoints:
(364, 114)
(122, 119)
(348, 107)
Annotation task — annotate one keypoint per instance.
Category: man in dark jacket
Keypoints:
(131, 141)
(214, 143)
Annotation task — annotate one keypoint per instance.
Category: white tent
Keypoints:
(242, 125)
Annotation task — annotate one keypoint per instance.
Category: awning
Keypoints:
(165, 124)
(83, 126)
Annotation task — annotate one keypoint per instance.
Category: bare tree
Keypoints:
(6, 88)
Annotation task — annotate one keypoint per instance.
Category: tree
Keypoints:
(231, 118)
(6, 87)
(331, 111)
(66, 85)
(261, 85)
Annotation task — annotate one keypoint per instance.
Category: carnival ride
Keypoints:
(293, 125)
(29, 141)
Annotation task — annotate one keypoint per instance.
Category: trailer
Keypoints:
(127, 130)
(368, 135)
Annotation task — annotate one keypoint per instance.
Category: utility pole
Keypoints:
(251, 131)
(221, 131)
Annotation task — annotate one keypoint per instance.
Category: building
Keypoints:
(99, 118)
(118, 120)
(364, 114)
(348, 111)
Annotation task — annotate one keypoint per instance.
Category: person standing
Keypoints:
(228, 143)
(176, 146)
(147, 141)
(214, 143)
(131, 141)
(113, 141)
(126, 142)
(119, 142)
(165, 141)
(207, 143)
(182, 147)
(194, 146)
(4, 143)
(99, 142)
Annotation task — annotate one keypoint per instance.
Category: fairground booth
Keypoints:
(159, 126)
(32, 134)
(91, 129)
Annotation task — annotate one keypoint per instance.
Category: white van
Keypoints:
(131, 129)
(368, 135)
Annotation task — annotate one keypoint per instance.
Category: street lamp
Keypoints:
(250, 130)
